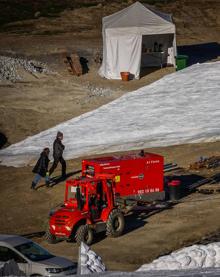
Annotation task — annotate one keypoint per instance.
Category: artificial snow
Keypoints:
(182, 107)
(196, 256)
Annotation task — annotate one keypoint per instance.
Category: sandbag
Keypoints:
(89, 262)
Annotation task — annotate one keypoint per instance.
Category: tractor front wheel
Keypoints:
(50, 237)
(84, 234)
(115, 224)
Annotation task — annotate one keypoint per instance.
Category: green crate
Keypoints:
(181, 62)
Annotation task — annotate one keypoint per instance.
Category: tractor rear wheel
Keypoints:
(84, 234)
(50, 237)
(115, 224)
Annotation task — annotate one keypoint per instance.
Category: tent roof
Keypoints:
(136, 15)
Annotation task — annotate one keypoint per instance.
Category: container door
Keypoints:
(154, 175)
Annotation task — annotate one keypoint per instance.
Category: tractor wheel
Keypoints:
(84, 234)
(115, 224)
(50, 237)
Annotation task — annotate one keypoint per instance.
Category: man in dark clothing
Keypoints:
(58, 149)
(41, 168)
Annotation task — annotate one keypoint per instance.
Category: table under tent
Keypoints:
(137, 37)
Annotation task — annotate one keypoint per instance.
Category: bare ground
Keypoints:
(42, 101)
(36, 104)
(147, 236)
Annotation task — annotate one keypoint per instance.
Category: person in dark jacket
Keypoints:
(58, 149)
(41, 168)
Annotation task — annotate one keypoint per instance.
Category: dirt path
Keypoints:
(148, 237)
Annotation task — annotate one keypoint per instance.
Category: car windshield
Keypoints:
(33, 251)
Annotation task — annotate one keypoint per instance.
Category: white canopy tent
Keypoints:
(127, 32)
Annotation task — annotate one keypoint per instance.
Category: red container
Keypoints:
(125, 76)
(175, 192)
(174, 183)
(136, 176)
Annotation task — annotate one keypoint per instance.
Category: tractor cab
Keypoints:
(91, 195)
(75, 194)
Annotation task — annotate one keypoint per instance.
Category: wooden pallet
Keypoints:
(211, 162)
(209, 188)
(73, 63)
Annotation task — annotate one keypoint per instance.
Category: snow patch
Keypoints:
(182, 107)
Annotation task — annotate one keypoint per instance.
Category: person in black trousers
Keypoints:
(58, 149)
(41, 169)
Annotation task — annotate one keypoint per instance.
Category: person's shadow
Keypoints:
(58, 179)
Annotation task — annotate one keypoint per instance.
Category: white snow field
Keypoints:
(183, 107)
(193, 257)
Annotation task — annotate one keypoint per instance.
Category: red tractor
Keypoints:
(89, 207)
(107, 189)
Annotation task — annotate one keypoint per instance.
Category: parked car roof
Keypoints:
(13, 240)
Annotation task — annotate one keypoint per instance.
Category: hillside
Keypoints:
(196, 20)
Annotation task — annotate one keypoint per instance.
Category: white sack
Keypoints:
(89, 261)
(196, 256)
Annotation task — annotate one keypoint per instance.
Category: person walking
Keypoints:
(58, 149)
(41, 169)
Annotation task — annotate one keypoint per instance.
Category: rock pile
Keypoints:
(9, 68)
(98, 91)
